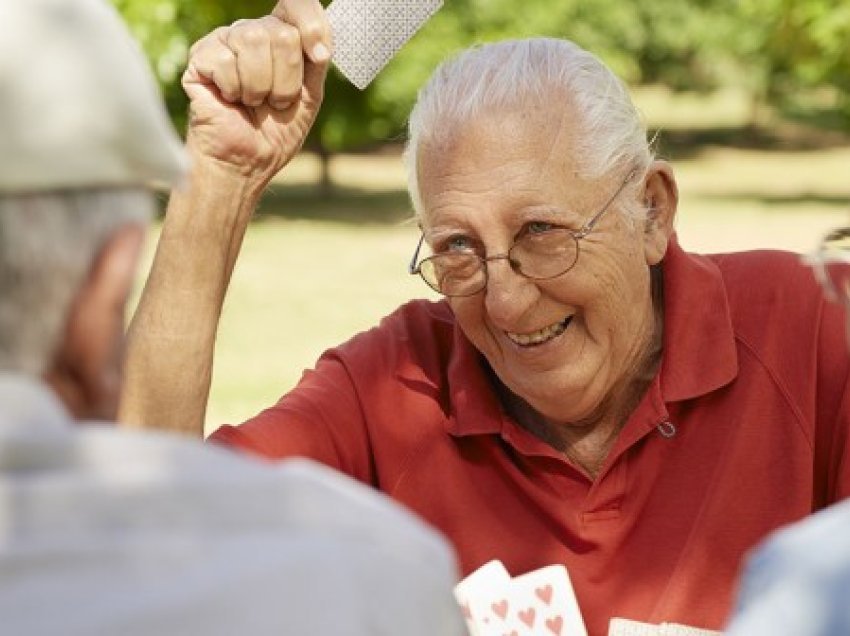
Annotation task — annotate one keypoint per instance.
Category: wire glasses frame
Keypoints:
(831, 264)
(468, 265)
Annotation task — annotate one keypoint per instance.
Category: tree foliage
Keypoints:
(779, 49)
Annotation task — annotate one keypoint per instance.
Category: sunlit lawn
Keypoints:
(313, 273)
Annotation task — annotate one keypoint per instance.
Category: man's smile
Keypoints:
(540, 336)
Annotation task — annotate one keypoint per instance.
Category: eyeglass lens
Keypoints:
(539, 256)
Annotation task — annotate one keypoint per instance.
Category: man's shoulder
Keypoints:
(775, 287)
(216, 486)
(765, 270)
(818, 546)
(222, 540)
(417, 315)
(421, 333)
(798, 581)
(127, 483)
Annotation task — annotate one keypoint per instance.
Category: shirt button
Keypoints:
(667, 429)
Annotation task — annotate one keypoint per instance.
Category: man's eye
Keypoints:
(538, 227)
(457, 244)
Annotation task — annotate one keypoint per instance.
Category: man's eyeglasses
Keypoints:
(538, 256)
(831, 264)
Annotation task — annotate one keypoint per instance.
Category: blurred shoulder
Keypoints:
(772, 284)
(139, 480)
(771, 270)
(798, 581)
(272, 541)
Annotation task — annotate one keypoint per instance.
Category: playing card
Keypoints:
(543, 603)
(674, 629)
(625, 627)
(475, 591)
(368, 33)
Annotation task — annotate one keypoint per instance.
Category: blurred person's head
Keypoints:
(83, 135)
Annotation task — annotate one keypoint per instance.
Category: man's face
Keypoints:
(561, 344)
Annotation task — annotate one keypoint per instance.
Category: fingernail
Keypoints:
(281, 105)
(321, 53)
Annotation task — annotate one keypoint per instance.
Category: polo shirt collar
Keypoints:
(699, 354)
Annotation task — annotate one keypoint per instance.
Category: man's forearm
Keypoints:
(172, 335)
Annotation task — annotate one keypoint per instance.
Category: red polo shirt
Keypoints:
(743, 429)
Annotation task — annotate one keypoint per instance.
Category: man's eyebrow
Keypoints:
(554, 212)
(441, 233)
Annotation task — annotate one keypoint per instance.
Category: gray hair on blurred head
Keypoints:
(515, 73)
(83, 132)
(48, 244)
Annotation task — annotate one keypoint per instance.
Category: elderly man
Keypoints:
(104, 531)
(799, 582)
(587, 394)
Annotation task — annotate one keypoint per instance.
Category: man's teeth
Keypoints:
(539, 337)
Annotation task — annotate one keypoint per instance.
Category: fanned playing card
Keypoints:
(544, 604)
(368, 33)
(540, 603)
(488, 581)
(675, 629)
(626, 627)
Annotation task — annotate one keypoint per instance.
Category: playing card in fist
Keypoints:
(255, 87)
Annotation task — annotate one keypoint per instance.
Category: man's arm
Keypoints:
(255, 89)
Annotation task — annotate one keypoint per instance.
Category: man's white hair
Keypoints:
(519, 73)
(48, 244)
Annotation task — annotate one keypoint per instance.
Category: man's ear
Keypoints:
(86, 370)
(661, 197)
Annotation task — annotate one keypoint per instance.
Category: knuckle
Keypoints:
(252, 100)
(312, 30)
(205, 42)
(286, 94)
(224, 57)
(286, 37)
(251, 36)
(253, 95)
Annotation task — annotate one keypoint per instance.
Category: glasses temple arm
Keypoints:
(412, 268)
(595, 218)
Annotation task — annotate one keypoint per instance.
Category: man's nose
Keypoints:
(508, 292)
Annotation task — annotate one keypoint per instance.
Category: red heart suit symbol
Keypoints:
(555, 624)
(544, 594)
(527, 616)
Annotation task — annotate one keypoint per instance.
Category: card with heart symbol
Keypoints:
(539, 603)
(488, 581)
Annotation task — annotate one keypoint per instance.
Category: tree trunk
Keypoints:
(326, 186)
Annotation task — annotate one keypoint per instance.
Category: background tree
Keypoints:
(790, 54)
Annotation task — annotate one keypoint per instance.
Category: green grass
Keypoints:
(314, 272)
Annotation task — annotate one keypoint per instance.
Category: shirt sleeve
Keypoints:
(320, 419)
(832, 441)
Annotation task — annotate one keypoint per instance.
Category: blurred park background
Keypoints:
(751, 98)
